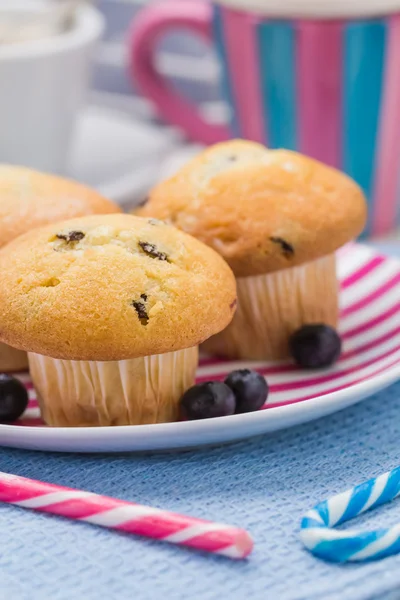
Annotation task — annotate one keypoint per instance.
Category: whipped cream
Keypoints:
(318, 9)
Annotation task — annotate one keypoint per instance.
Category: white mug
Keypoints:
(43, 85)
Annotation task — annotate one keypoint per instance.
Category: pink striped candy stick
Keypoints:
(125, 516)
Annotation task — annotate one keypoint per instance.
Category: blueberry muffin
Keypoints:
(111, 310)
(29, 199)
(277, 218)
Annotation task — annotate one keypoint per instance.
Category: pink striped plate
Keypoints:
(370, 326)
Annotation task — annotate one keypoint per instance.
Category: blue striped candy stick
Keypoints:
(321, 539)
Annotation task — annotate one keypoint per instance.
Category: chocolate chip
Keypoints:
(71, 236)
(152, 251)
(143, 202)
(143, 297)
(141, 311)
(287, 249)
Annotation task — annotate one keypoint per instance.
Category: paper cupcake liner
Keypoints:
(128, 392)
(12, 359)
(271, 307)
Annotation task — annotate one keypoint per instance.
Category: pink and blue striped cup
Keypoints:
(329, 88)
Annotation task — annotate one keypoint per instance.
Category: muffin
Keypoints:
(30, 199)
(111, 310)
(277, 218)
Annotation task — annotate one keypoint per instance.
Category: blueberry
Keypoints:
(13, 398)
(250, 389)
(207, 400)
(315, 346)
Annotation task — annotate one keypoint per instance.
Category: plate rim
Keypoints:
(34, 440)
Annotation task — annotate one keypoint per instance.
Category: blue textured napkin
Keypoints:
(264, 485)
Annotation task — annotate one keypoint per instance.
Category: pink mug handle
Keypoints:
(151, 24)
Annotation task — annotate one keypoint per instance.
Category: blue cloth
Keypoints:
(264, 485)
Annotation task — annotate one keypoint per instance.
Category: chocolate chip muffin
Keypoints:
(111, 310)
(277, 218)
(29, 199)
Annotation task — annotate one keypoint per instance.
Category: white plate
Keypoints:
(370, 326)
(119, 155)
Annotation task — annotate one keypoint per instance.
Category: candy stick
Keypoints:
(125, 516)
(356, 546)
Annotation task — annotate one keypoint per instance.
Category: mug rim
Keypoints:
(314, 10)
(88, 27)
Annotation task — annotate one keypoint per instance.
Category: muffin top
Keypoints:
(30, 199)
(262, 210)
(111, 287)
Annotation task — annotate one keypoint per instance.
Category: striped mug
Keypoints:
(318, 76)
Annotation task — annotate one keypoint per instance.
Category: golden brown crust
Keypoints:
(262, 210)
(130, 287)
(30, 199)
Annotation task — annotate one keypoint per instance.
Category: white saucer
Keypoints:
(119, 155)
